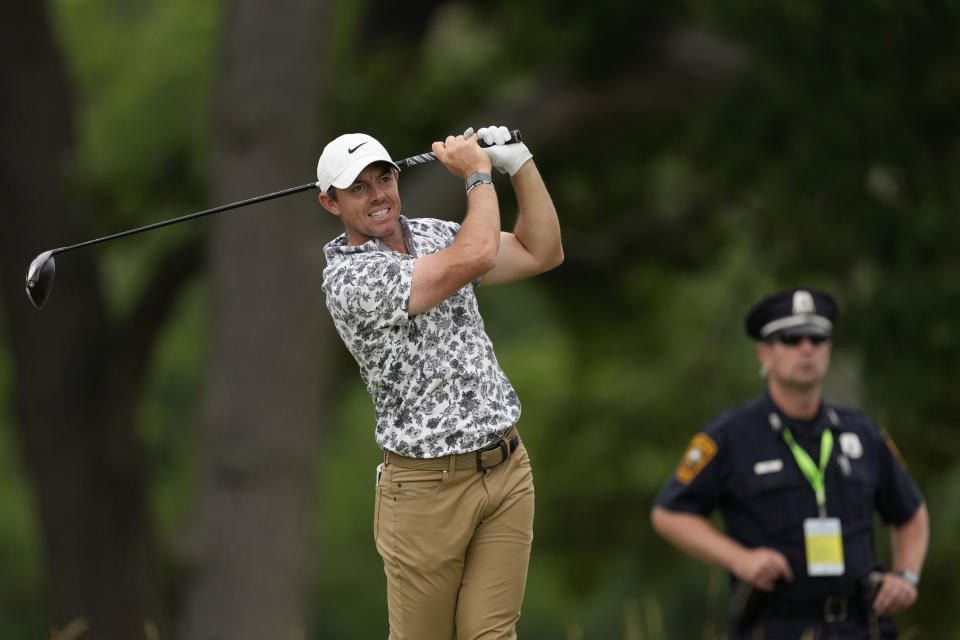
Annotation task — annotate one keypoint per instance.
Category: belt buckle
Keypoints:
(829, 613)
(504, 451)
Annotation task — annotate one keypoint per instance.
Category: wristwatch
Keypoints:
(477, 178)
(910, 577)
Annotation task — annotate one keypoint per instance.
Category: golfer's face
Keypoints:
(370, 207)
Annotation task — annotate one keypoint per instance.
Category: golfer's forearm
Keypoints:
(909, 541)
(695, 535)
(537, 227)
(479, 235)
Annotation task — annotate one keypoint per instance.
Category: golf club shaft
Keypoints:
(157, 225)
(412, 161)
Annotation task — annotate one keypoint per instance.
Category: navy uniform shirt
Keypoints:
(741, 465)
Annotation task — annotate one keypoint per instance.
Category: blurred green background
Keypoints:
(699, 154)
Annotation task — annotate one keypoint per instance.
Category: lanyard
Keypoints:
(811, 472)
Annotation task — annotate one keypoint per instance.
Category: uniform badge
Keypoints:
(699, 452)
(850, 445)
(803, 303)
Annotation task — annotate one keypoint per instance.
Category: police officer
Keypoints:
(797, 480)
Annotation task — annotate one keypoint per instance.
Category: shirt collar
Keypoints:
(338, 246)
(802, 426)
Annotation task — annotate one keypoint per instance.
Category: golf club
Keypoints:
(42, 269)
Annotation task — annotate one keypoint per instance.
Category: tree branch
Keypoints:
(156, 302)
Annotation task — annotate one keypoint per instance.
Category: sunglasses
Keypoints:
(792, 340)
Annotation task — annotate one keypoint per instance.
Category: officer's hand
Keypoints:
(763, 567)
(895, 595)
(462, 155)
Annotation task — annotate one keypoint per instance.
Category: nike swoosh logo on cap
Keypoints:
(356, 147)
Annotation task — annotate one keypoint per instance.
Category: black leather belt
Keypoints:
(481, 460)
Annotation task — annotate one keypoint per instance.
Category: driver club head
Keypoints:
(40, 278)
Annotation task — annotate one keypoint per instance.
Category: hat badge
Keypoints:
(803, 303)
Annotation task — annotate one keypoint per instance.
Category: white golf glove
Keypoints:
(507, 158)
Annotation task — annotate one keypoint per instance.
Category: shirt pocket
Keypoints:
(780, 500)
(858, 493)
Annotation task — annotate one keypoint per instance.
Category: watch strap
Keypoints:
(910, 576)
(477, 178)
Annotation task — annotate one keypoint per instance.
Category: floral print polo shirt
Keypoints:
(435, 382)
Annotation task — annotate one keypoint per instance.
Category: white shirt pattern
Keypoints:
(436, 386)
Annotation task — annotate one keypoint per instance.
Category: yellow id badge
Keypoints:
(824, 544)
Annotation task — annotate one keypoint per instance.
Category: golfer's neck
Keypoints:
(393, 241)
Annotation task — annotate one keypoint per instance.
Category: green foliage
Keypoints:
(20, 543)
(351, 597)
(143, 76)
(812, 143)
(168, 421)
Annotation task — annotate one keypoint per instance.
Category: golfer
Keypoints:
(454, 497)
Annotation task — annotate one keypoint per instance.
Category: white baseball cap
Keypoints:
(345, 157)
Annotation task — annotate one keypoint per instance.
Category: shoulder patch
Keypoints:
(700, 451)
(893, 447)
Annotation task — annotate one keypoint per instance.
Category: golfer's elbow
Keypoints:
(555, 259)
(544, 256)
(481, 254)
(548, 263)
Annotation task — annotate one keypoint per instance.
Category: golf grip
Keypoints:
(430, 156)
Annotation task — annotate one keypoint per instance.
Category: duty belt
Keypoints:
(481, 460)
(830, 609)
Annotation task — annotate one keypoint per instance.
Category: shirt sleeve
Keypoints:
(438, 235)
(697, 484)
(447, 229)
(897, 497)
(372, 292)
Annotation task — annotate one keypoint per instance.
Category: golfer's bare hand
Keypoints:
(763, 567)
(462, 156)
(895, 595)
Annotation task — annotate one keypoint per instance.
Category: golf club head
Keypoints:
(40, 278)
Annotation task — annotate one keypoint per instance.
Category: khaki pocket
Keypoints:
(413, 484)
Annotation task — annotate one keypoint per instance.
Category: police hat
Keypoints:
(797, 311)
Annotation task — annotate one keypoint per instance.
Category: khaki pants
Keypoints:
(455, 545)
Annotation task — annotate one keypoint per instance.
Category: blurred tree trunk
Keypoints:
(248, 547)
(78, 371)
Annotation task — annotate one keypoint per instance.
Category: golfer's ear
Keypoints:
(329, 203)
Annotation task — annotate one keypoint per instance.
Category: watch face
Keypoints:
(910, 577)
